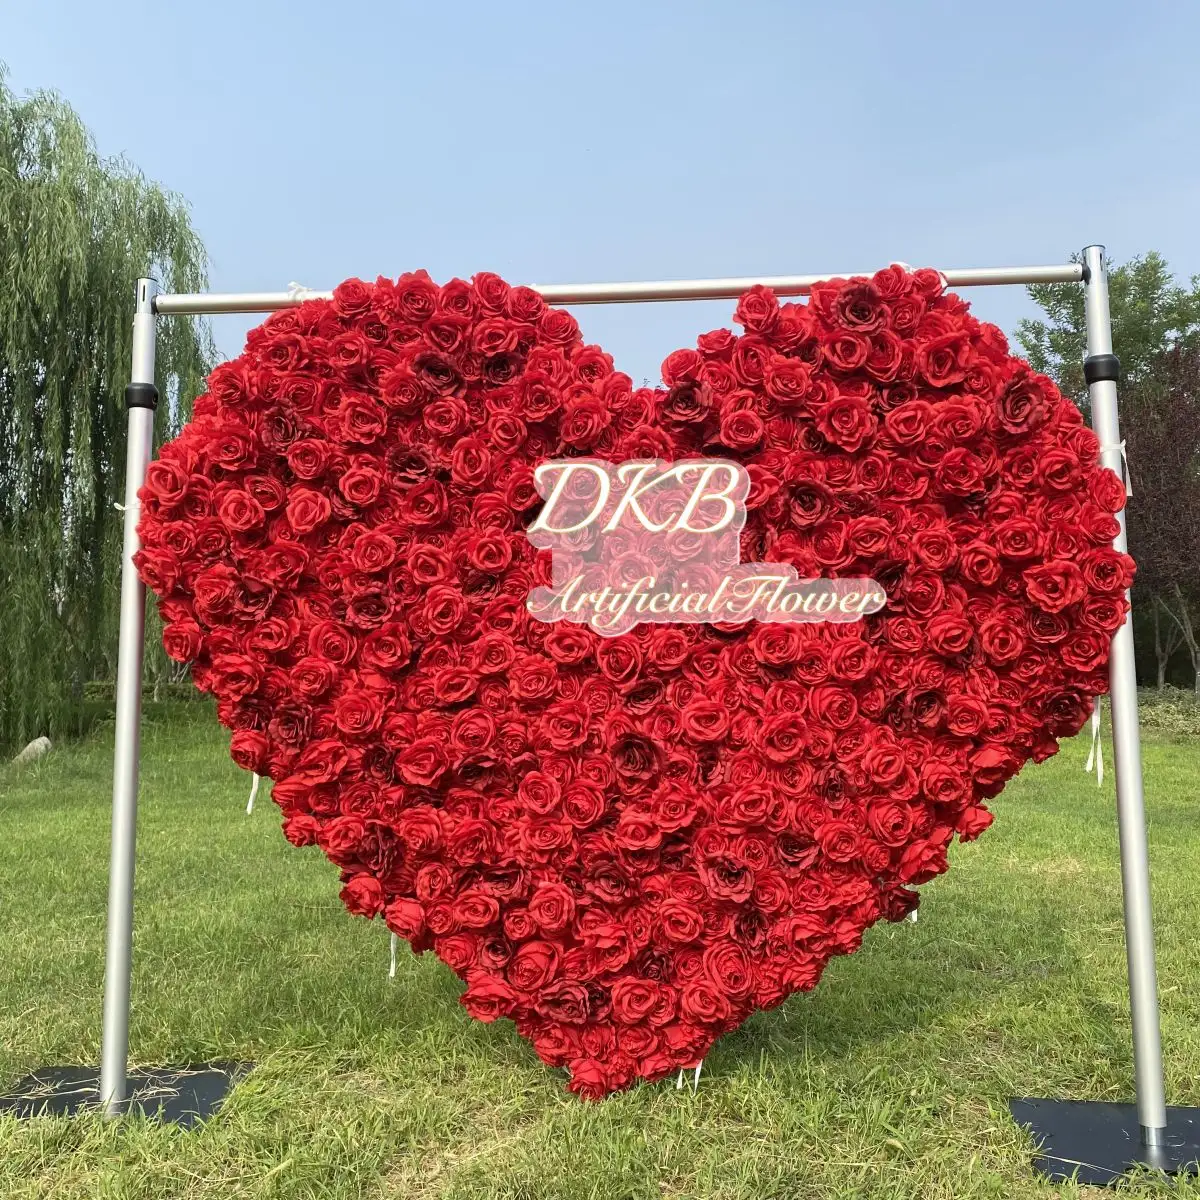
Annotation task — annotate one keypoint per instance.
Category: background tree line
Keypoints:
(77, 230)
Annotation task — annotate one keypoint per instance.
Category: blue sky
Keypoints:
(569, 142)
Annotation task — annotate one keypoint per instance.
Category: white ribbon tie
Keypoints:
(1096, 753)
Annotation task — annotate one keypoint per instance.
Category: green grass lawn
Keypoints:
(889, 1080)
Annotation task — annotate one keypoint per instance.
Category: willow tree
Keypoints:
(76, 232)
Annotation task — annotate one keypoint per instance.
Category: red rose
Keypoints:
(839, 840)
(705, 721)
(357, 714)
(406, 919)
(729, 969)
(847, 351)
(1055, 585)
(249, 749)
(1024, 404)
(552, 906)
(532, 678)
(702, 1001)
(943, 361)
(488, 998)
(342, 838)
(847, 422)
(533, 966)
(634, 1000)
(422, 763)
(235, 675)
(565, 725)
(182, 640)
(363, 895)
(307, 510)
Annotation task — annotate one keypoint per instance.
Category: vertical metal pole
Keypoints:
(1100, 370)
(140, 398)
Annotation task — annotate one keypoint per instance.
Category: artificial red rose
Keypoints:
(757, 310)
(1025, 403)
(233, 676)
(182, 640)
(307, 509)
(846, 351)
(635, 757)
(363, 895)
(949, 634)
(422, 763)
(309, 458)
(239, 510)
(357, 714)
(839, 840)
(583, 804)
(532, 678)
(453, 685)
(702, 1001)
(1055, 585)
(487, 998)
(730, 969)
(406, 919)
(705, 721)
(858, 305)
(680, 921)
(533, 966)
(890, 822)
(634, 1000)
(552, 907)
(943, 361)
(565, 725)
(343, 837)
(301, 829)
(847, 422)
(249, 749)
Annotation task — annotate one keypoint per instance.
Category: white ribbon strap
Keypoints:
(1120, 448)
(695, 1081)
(253, 793)
(297, 291)
(912, 916)
(392, 965)
(1096, 753)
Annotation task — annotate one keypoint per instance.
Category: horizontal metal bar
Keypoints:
(626, 293)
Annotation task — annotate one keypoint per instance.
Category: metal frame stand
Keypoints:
(1099, 1141)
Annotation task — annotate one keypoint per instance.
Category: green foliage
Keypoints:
(890, 1080)
(1171, 712)
(1151, 315)
(76, 232)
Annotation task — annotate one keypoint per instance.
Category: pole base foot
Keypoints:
(1098, 1143)
(180, 1096)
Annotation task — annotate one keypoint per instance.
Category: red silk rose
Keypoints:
(627, 845)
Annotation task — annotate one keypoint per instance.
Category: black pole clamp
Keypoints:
(141, 395)
(1098, 367)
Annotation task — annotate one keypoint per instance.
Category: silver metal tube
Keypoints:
(624, 293)
(118, 959)
(1131, 816)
